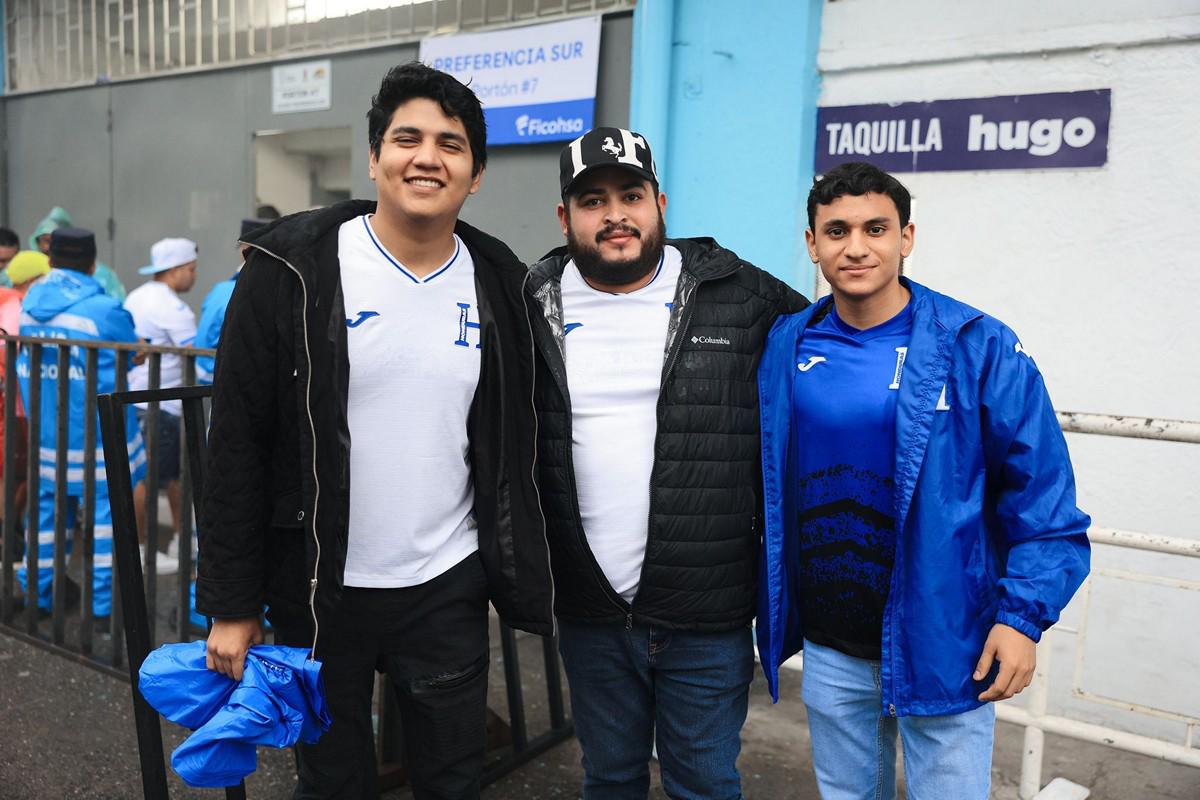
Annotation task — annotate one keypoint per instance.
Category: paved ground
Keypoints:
(68, 733)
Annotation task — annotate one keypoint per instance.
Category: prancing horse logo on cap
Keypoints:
(611, 147)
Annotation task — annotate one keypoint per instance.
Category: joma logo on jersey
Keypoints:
(363, 316)
(465, 326)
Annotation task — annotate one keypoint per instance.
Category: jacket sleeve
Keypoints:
(235, 513)
(1042, 534)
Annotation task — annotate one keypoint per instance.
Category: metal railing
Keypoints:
(1035, 719)
(77, 359)
(57, 43)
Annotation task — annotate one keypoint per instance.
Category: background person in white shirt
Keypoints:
(162, 318)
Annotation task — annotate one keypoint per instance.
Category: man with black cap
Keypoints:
(69, 304)
(212, 312)
(648, 453)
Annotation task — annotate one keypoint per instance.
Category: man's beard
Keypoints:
(596, 269)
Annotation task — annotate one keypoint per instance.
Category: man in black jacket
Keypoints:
(370, 461)
(649, 470)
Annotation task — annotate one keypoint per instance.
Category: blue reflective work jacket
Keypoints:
(987, 530)
(70, 305)
(279, 701)
(208, 330)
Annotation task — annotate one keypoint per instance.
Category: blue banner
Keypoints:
(1059, 130)
(548, 122)
(537, 84)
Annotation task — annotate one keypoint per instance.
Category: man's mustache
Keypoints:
(611, 230)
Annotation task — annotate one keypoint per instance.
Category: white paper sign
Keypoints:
(301, 87)
(537, 84)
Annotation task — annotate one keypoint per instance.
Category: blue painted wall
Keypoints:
(3, 57)
(726, 93)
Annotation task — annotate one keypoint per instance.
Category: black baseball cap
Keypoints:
(605, 147)
(251, 225)
(74, 248)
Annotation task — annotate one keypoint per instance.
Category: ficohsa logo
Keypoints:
(536, 126)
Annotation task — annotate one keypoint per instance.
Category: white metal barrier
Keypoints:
(56, 43)
(1034, 718)
(1036, 721)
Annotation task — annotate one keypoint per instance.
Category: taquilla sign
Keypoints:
(537, 84)
(1031, 131)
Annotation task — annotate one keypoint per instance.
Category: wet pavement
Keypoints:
(68, 733)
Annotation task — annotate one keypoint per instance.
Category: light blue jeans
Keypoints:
(854, 747)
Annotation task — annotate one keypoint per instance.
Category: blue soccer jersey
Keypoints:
(844, 407)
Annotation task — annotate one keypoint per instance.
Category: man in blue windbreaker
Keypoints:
(69, 304)
(921, 528)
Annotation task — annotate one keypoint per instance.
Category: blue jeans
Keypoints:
(854, 747)
(687, 692)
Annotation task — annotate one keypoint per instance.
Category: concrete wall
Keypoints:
(180, 158)
(1092, 268)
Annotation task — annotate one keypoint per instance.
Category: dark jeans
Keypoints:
(688, 692)
(432, 642)
(169, 444)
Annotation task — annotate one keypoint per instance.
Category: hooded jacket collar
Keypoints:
(703, 259)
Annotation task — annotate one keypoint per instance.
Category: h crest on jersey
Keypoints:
(465, 325)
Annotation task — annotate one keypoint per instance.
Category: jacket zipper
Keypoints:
(685, 310)
(533, 470)
(312, 583)
(601, 580)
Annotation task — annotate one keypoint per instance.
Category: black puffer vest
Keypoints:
(705, 489)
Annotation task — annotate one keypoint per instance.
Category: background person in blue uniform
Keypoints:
(69, 304)
(921, 527)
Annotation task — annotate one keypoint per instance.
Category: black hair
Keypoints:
(414, 79)
(8, 238)
(856, 178)
(267, 213)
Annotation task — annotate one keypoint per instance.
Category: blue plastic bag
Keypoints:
(279, 701)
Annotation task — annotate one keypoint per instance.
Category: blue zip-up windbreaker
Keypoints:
(279, 701)
(208, 330)
(987, 527)
(70, 305)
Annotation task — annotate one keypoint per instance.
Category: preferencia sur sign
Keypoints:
(1030, 131)
(537, 84)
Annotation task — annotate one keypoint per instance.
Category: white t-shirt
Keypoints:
(160, 317)
(413, 345)
(614, 350)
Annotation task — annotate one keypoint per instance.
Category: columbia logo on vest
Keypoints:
(710, 340)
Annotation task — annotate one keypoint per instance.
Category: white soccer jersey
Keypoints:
(414, 351)
(614, 352)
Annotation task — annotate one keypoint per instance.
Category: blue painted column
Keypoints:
(3, 52)
(726, 92)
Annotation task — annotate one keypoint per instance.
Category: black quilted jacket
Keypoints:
(705, 488)
(276, 499)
